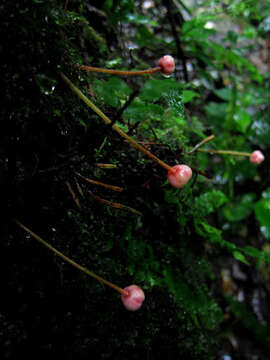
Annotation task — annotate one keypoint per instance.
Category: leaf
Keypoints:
(231, 58)
(216, 113)
(194, 301)
(154, 89)
(224, 93)
(144, 37)
(262, 212)
(208, 202)
(213, 234)
(240, 209)
(195, 28)
(241, 119)
(112, 90)
(260, 255)
(239, 256)
(172, 196)
(175, 101)
(260, 331)
(140, 110)
(189, 95)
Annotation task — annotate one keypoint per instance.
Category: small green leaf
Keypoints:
(239, 256)
(112, 90)
(154, 89)
(175, 101)
(262, 212)
(224, 93)
(242, 119)
(236, 211)
(248, 320)
(140, 110)
(189, 95)
(208, 202)
(216, 113)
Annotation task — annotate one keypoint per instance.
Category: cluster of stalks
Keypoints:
(178, 175)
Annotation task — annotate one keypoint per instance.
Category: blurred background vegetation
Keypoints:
(201, 253)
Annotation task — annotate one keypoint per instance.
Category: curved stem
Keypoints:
(113, 204)
(99, 183)
(225, 152)
(196, 147)
(118, 72)
(68, 260)
(108, 121)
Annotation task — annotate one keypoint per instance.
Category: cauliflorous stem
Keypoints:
(119, 72)
(225, 152)
(73, 263)
(165, 64)
(108, 121)
(256, 157)
(204, 141)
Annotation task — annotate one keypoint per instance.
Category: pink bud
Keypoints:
(134, 299)
(167, 64)
(256, 157)
(180, 176)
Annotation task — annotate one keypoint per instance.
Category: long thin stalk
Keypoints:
(118, 72)
(68, 260)
(99, 183)
(113, 204)
(196, 147)
(225, 152)
(108, 121)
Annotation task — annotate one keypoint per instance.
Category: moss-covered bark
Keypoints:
(50, 308)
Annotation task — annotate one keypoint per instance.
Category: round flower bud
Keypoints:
(134, 298)
(166, 63)
(256, 157)
(180, 176)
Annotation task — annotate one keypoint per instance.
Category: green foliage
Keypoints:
(240, 209)
(210, 201)
(175, 249)
(260, 331)
(262, 211)
(154, 89)
(112, 92)
(204, 312)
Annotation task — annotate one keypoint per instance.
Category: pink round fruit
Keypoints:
(256, 157)
(134, 298)
(180, 176)
(167, 65)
